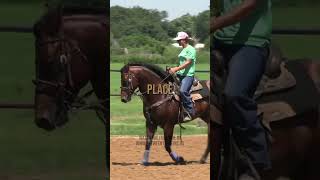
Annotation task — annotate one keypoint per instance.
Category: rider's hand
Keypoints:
(173, 70)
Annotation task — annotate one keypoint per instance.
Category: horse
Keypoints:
(295, 141)
(159, 109)
(70, 51)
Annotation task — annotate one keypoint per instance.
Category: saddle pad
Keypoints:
(194, 97)
(275, 111)
(204, 91)
(303, 97)
(272, 111)
(267, 85)
(201, 93)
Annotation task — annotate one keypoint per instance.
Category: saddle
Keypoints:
(277, 78)
(199, 90)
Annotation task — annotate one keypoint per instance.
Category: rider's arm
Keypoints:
(234, 16)
(182, 66)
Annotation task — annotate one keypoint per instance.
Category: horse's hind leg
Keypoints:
(150, 131)
(168, 133)
(206, 152)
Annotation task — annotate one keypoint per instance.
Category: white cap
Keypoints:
(181, 35)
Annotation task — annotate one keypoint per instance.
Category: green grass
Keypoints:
(128, 119)
(297, 46)
(20, 14)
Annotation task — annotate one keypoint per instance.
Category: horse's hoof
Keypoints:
(145, 163)
(202, 161)
(180, 160)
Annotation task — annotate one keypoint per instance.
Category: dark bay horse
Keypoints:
(295, 149)
(159, 109)
(71, 50)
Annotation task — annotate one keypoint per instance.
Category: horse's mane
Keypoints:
(84, 10)
(152, 67)
(45, 18)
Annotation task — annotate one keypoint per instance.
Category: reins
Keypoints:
(156, 104)
(78, 102)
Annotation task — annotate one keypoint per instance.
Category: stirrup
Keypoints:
(187, 116)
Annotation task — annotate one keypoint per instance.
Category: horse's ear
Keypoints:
(125, 69)
(54, 20)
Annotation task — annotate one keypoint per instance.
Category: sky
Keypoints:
(175, 8)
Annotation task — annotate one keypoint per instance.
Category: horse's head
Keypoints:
(129, 83)
(52, 84)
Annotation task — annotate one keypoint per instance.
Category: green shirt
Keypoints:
(188, 52)
(254, 30)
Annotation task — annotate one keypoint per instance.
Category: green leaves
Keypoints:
(133, 21)
(147, 35)
(77, 3)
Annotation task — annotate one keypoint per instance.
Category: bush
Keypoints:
(151, 58)
(170, 56)
(143, 42)
(203, 57)
(79, 3)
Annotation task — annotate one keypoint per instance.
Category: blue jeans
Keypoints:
(245, 67)
(185, 86)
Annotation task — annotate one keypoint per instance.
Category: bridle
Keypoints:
(63, 55)
(128, 84)
(129, 87)
(67, 49)
(68, 98)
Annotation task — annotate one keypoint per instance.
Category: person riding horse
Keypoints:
(242, 33)
(185, 72)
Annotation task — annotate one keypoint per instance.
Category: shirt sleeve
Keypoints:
(190, 54)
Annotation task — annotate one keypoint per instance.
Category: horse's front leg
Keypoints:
(151, 128)
(168, 133)
(216, 133)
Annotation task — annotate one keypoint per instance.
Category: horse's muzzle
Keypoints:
(125, 98)
(44, 123)
(45, 109)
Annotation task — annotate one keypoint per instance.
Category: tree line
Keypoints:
(147, 33)
(138, 27)
(153, 23)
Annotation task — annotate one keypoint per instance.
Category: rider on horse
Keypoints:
(185, 72)
(242, 34)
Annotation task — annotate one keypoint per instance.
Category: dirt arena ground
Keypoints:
(126, 154)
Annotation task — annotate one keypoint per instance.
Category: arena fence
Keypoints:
(19, 29)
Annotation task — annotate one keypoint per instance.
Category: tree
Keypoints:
(136, 20)
(183, 23)
(201, 25)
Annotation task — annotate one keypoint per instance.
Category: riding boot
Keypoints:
(249, 175)
(188, 116)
